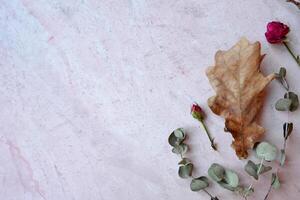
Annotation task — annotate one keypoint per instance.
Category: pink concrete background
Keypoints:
(91, 89)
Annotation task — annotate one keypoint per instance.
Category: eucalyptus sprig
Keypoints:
(290, 100)
(290, 103)
(185, 170)
(229, 179)
(226, 178)
(265, 152)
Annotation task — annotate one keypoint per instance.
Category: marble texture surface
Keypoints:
(91, 89)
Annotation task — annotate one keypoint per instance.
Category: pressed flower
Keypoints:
(276, 34)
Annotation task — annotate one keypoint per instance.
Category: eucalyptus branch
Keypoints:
(185, 171)
(290, 105)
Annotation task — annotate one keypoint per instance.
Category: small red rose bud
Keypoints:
(276, 32)
(197, 112)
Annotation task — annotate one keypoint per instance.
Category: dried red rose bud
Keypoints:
(197, 112)
(276, 32)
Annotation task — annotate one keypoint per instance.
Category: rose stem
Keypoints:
(292, 54)
(209, 136)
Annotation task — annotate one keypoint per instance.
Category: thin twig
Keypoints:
(211, 196)
(269, 191)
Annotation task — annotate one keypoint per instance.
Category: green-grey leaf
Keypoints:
(294, 100)
(174, 140)
(283, 104)
(264, 168)
(231, 178)
(216, 172)
(184, 161)
(185, 171)
(180, 149)
(275, 181)
(287, 129)
(266, 151)
(226, 186)
(282, 72)
(282, 157)
(199, 183)
(179, 133)
(251, 169)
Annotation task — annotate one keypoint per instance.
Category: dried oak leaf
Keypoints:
(239, 86)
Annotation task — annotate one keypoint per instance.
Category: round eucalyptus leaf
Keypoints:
(172, 139)
(179, 133)
(275, 181)
(185, 171)
(264, 168)
(231, 178)
(266, 151)
(283, 104)
(178, 138)
(294, 100)
(199, 183)
(180, 149)
(216, 172)
(251, 169)
(184, 161)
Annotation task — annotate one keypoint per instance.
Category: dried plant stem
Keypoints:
(213, 145)
(269, 191)
(294, 2)
(296, 58)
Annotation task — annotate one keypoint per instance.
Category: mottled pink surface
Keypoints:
(91, 89)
